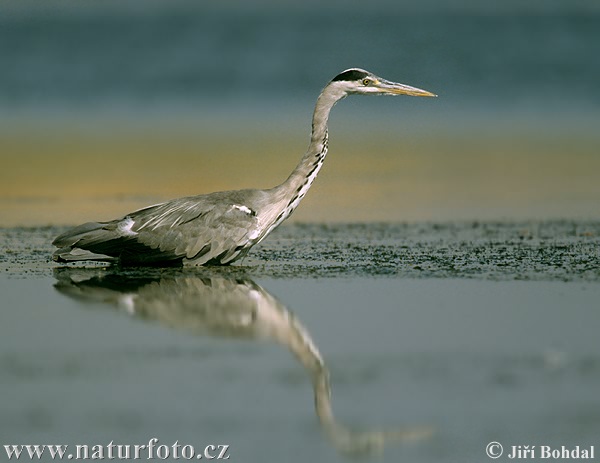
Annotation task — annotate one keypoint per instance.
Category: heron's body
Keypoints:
(217, 228)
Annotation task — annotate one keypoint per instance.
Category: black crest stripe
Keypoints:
(351, 74)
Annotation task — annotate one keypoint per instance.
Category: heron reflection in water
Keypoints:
(225, 304)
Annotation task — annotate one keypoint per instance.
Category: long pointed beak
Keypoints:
(393, 88)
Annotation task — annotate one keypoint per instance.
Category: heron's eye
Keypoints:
(366, 82)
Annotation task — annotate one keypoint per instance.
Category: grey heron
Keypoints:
(219, 228)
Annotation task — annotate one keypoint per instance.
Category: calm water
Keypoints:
(110, 106)
(424, 370)
(428, 368)
(151, 55)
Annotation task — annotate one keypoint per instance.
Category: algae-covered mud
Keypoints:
(539, 251)
(551, 250)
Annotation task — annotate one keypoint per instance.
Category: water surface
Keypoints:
(423, 364)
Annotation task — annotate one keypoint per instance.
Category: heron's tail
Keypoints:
(86, 242)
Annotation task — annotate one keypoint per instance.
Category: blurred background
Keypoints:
(110, 106)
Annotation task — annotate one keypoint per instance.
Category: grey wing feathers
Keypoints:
(195, 230)
(103, 241)
(198, 231)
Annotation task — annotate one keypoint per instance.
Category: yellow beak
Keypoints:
(394, 88)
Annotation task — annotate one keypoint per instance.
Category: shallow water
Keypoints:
(433, 339)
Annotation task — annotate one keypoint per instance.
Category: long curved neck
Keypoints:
(302, 177)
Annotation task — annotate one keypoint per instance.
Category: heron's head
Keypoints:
(360, 82)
